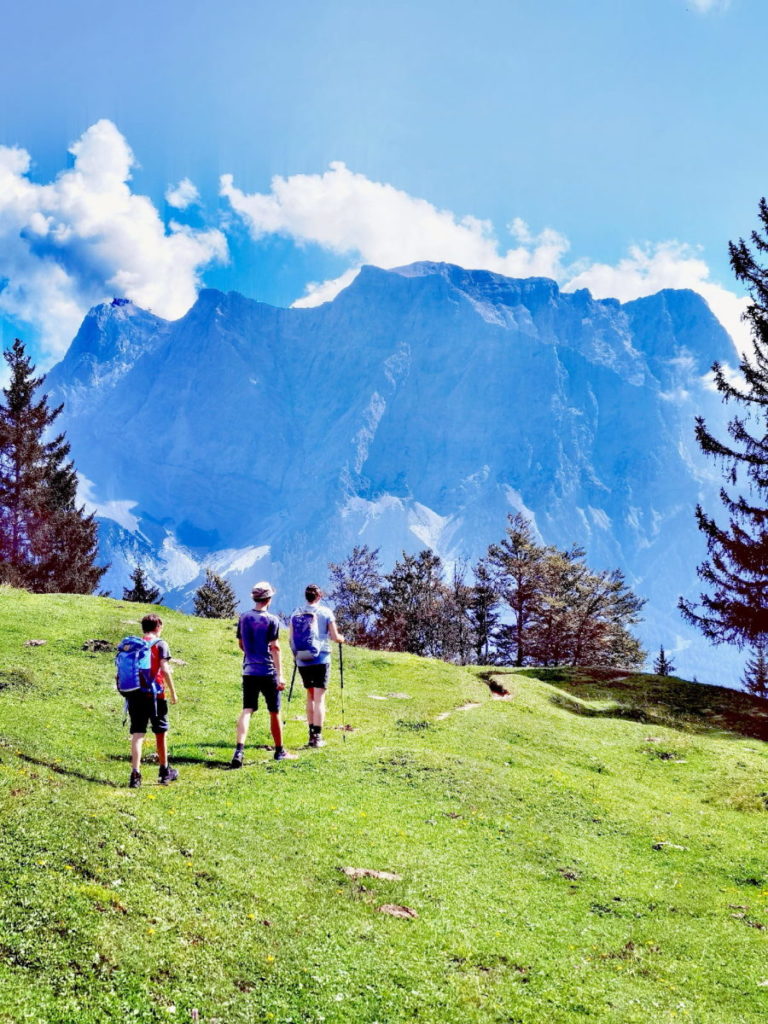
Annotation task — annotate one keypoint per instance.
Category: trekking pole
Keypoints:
(341, 677)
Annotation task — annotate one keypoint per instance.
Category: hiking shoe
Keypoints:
(281, 754)
(319, 741)
(312, 742)
(167, 775)
(237, 759)
(135, 780)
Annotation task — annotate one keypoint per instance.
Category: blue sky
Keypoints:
(622, 141)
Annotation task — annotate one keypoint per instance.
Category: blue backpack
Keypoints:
(305, 638)
(133, 663)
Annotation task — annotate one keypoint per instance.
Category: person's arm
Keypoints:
(276, 657)
(165, 672)
(333, 632)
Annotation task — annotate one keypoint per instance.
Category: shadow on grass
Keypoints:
(656, 700)
(74, 773)
(189, 754)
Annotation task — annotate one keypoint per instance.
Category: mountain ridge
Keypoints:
(420, 406)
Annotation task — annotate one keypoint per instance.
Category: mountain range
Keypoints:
(418, 408)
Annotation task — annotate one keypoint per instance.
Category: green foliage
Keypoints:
(47, 543)
(755, 679)
(734, 607)
(562, 612)
(355, 586)
(142, 592)
(215, 599)
(556, 866)
(662, 665)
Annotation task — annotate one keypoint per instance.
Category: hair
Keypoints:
(313, 592)
(151, 622)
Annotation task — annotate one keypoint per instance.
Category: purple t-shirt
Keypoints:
(257, 630)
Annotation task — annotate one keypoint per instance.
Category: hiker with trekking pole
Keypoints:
(258, 635)
(312, 631)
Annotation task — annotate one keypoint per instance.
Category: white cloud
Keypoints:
(86, 237)
(705, 6)
(373, 222)
(182, 195)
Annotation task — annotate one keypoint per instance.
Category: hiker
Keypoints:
(313, 627)
(257, 633)
(147, 704)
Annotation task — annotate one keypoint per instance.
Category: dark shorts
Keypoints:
(145, 710)
(315, 676)
(255, 685)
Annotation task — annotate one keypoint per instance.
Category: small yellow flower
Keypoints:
(150, 931)
(270, 959)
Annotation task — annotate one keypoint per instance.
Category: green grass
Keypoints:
(590, 849)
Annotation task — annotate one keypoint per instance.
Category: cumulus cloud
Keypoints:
(373, 222)
(86, 237)
(182, 195)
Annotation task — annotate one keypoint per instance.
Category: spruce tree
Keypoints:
(483, 613)
(47, 543)
(734, 606)
(662, 665)
(141, 592)
(413, 606)
(755, 678)
(215, 599)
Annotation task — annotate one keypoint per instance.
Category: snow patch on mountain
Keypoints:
(118, 511)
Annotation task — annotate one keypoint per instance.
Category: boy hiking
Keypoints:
(258, 633)
(147, 703)
(313, 628)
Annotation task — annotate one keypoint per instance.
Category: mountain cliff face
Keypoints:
(417, 409)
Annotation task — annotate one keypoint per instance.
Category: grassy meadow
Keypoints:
(588, 847)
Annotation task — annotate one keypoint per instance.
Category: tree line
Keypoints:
(523, 603)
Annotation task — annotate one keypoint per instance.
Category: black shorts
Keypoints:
(315, 676)
(255, 685)
(144, 709)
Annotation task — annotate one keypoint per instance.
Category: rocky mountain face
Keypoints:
(417, 409)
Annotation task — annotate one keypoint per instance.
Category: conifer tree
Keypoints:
(662, 665)
(141, 592)
(47, 543)
(413, 599)
(755, 678)
(356, 583)
(518, 564)
(483, 613)
(734, 606)
(215, 599)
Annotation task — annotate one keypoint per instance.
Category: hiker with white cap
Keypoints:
(258, 634)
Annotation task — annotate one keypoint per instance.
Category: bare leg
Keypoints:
(243, 723)
(276, 727)
(137, 741)
(162, 749)
(319, 707)
(310, 707)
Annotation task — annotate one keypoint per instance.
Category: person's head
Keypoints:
(313, 593)
(262, 593)
(152, 623)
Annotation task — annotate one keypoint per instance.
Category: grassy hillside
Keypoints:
(586, 849)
